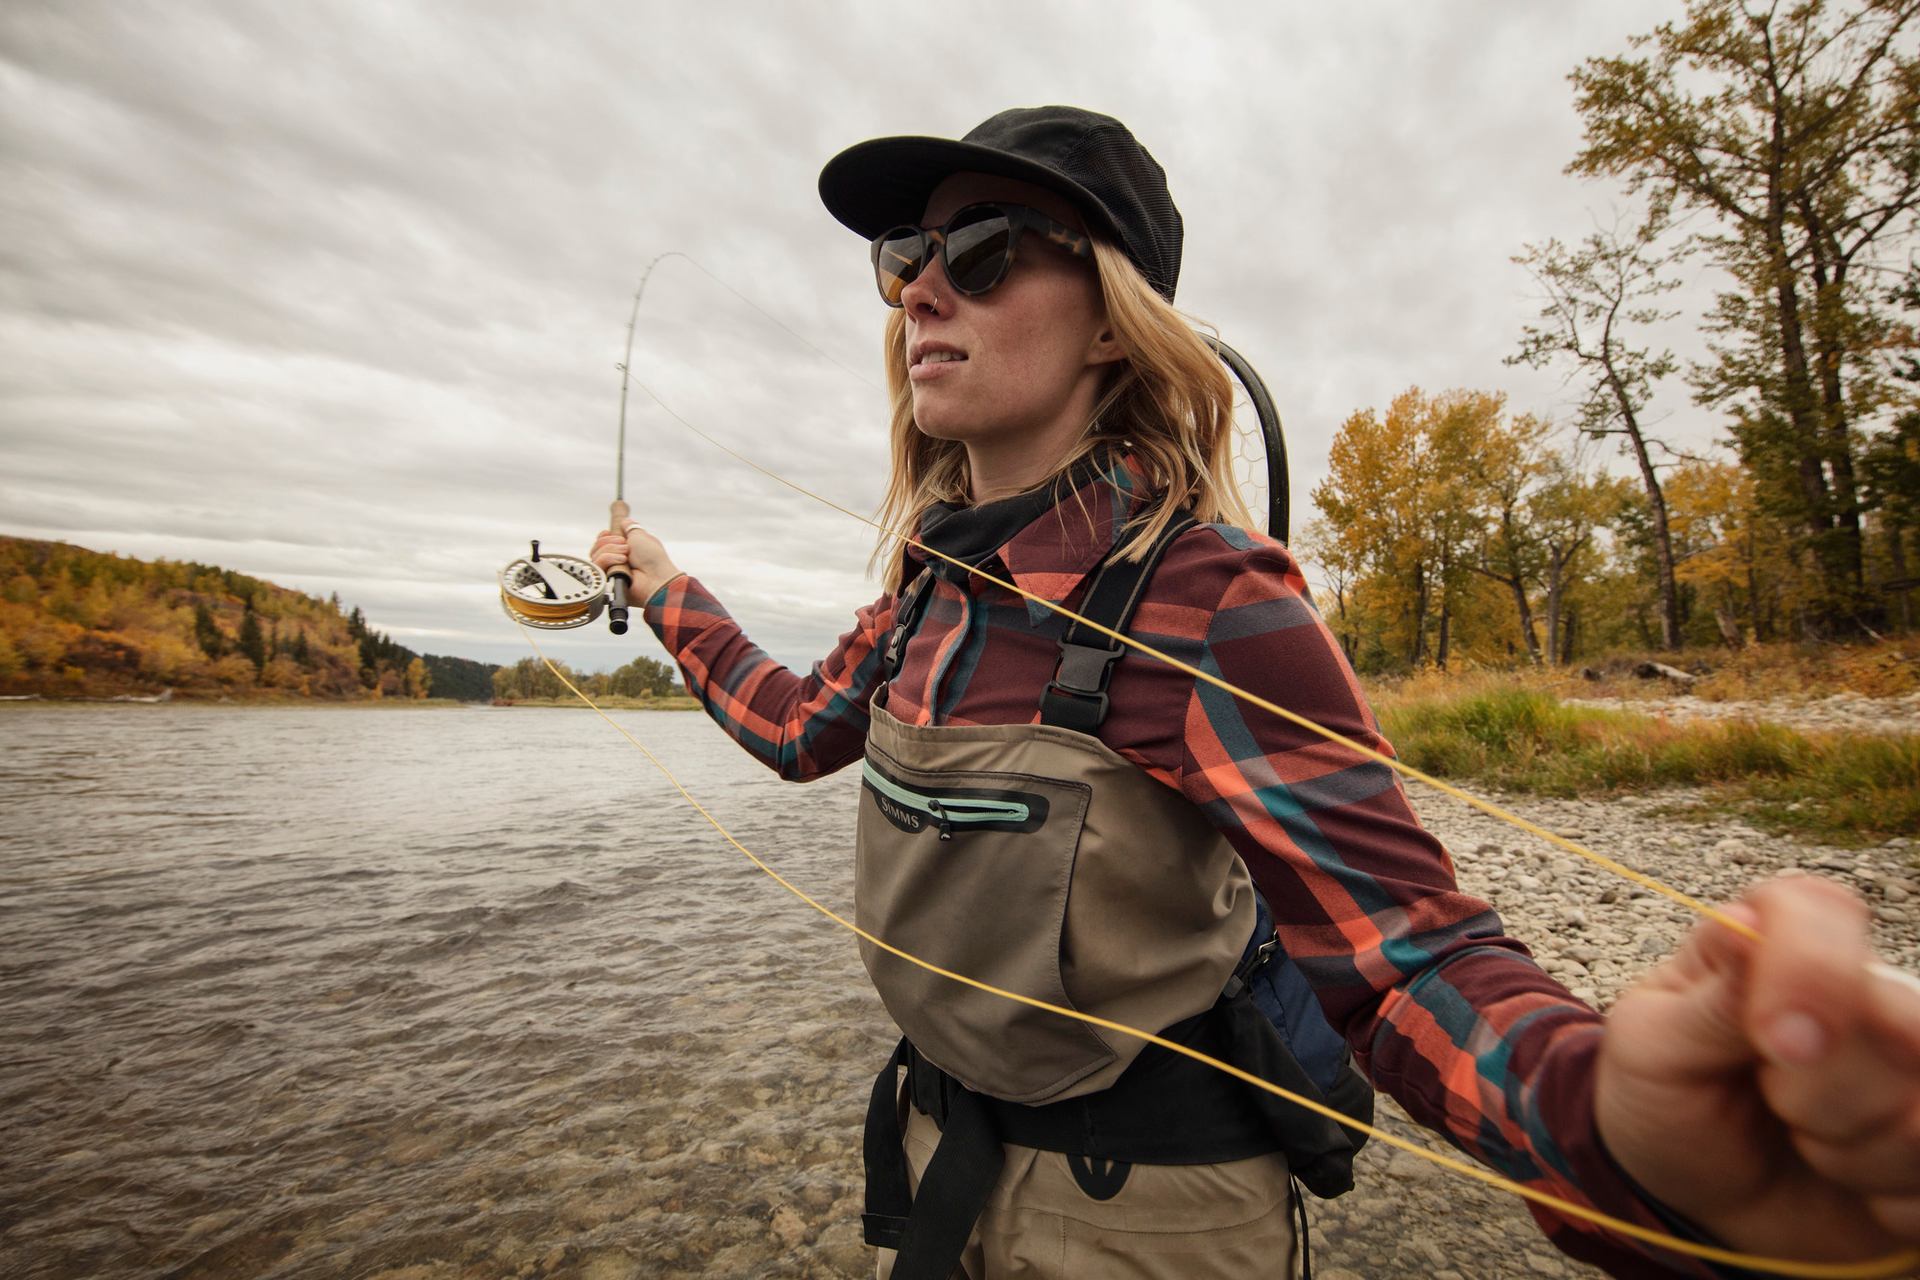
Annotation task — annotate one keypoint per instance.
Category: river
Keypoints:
(458, 994)
(420, 993)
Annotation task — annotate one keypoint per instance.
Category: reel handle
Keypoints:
(618, 580)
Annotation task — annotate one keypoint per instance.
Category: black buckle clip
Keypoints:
(1085, 669)
(890, 656)
(1258, 960)
(1082, 675)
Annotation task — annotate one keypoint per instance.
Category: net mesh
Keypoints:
(1249, 456)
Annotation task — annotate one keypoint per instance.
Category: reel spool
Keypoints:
(554, 593)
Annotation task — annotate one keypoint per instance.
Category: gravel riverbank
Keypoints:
(1836, 713)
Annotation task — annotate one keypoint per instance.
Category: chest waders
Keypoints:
(1036, 858)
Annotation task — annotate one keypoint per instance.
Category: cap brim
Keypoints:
(875, 186)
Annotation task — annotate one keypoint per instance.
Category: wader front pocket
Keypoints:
(970, 871)
(953, 808)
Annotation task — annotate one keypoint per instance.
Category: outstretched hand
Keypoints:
(1770, 1091)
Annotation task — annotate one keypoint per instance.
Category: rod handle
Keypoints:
(617, 579)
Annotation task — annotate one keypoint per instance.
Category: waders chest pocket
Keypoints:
(1065, 875)
(948, 810)
(969, 869)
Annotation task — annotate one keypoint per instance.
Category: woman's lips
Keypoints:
(931, 370)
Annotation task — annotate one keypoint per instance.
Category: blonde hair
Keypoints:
(1169, 402)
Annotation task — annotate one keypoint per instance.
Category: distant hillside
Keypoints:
(77, 624)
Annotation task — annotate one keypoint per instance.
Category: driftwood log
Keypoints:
(1661, 671)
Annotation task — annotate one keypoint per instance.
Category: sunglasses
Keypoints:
(975, 247)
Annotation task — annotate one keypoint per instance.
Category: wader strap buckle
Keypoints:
(1255, 960)
(1077, 696)
(906, 618)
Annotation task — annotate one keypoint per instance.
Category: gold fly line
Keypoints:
(1876, 1269)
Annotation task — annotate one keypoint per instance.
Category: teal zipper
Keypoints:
(947, 812)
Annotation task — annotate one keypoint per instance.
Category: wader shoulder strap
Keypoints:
(906, 616)
(1077, 697)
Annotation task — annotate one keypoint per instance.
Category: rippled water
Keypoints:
(298, 992)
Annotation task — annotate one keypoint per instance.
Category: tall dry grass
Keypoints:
(1517, 734)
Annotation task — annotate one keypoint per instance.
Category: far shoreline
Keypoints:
(611, 703)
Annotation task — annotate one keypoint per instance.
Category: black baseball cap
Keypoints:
(1091, 159)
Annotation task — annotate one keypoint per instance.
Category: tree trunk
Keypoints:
(1836, 556)
(1657, 505)
(1418, 648)
(1553, 613)
(1529, 627)
(1729, 627)
(1829, 264)
(1527, 631)
(1897, 556)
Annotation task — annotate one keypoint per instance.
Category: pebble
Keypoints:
(789, 1227)
(1545, 1264)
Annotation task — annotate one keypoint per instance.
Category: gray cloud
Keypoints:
(333, 294)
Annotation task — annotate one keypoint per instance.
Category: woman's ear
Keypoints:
(1105, 348)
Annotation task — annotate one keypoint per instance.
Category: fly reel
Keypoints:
(555, 593)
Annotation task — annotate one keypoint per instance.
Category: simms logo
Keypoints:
(898, 814)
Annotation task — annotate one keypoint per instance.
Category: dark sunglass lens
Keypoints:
(898, 257)
(979, 242)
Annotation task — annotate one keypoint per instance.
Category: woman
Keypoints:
(1040, 813)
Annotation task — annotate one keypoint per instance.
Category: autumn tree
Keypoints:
(1565, 515)
(1504, 472)
(1890, 470)
(1733, 551)
(1400, 508)
(530, 678)
(206, 632)
(643, 678)
(1890, 463)
(1796, 129)
(1596, 297)
(1341, 565)
(252, 643)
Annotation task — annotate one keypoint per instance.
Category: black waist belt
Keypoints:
(1165, 1109)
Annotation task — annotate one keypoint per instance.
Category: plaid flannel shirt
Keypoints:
(1444, 1012)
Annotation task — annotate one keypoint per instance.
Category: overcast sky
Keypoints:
(333, 294)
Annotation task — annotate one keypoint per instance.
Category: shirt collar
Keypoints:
(1046, 546)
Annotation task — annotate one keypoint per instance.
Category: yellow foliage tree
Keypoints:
(1736, 554)
(1405, 509)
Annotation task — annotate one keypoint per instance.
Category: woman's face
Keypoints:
(1030, 351)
